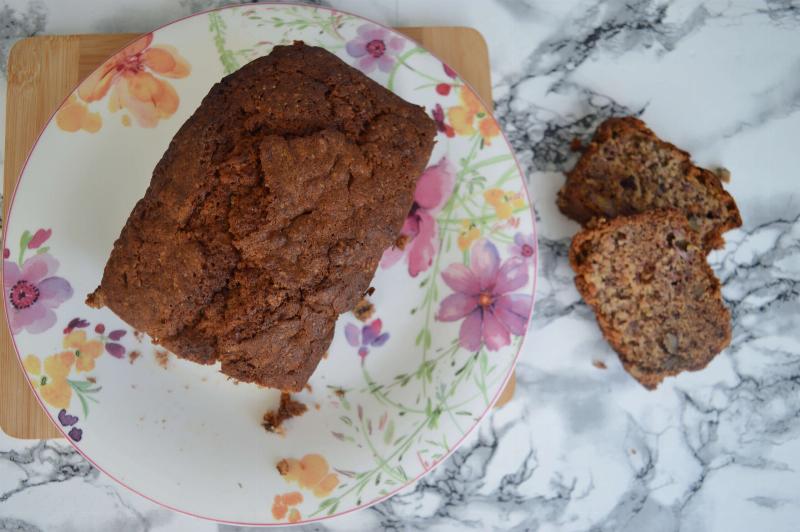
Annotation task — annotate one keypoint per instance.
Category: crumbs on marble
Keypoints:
(724, 174)
(133, 355)
(599, 364)
(138, 335)
(162, 358)
(309, 388)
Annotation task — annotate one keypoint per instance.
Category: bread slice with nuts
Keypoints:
(627, 169)
(657, 301)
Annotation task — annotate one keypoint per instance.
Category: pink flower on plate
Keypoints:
(419, 237)
(375, 46)
(523, 247)
(484, 300)
(33, 291)
(39, 238)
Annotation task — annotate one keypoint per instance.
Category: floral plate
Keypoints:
(410, 372)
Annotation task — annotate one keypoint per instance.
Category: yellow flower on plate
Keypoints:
(462, 117)
(488, 128)
(504, 202)
(86, 351)
(469, 234)
(52, 382)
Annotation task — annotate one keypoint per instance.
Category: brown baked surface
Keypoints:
(656, 299)
(627, 169)
(267, 216)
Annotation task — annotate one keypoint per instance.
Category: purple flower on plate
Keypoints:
(375, 46)
(33, 291)
(523, 247)
(369, 336)
(483, 298)
(75, 323)
(66, 419)
(75, 434)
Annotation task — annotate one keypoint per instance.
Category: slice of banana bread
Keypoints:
(267, 216)
(627, 169)
(656, 299)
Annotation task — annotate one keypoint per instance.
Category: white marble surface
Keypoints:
(579, 448)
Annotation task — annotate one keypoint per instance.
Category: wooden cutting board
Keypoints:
(41, 72)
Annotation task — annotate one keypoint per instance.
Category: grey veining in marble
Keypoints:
(580, 447)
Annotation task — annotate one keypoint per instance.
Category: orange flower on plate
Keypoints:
(135, 77)
(310, 472)
(504, 202)
(463, 117)
(74, 115)
(283, 504)
(52, 382)
(86, 351)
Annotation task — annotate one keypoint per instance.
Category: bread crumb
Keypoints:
(599, 364)
(282, 467)
(339, 392)
(724, 174)
(316, 406)
(289, 408)
(162, 358)
(92, 380)
(133, 356)
(363, 309)
(309, 388)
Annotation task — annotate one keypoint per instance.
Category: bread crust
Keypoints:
(267, 216)
(656, 299)
(627, 169)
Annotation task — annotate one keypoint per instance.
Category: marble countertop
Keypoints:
(581, 446)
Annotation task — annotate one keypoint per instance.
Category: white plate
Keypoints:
(396, 394)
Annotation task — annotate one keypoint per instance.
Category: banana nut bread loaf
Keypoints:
(656, 299)
(267, 216)
(627, 169)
